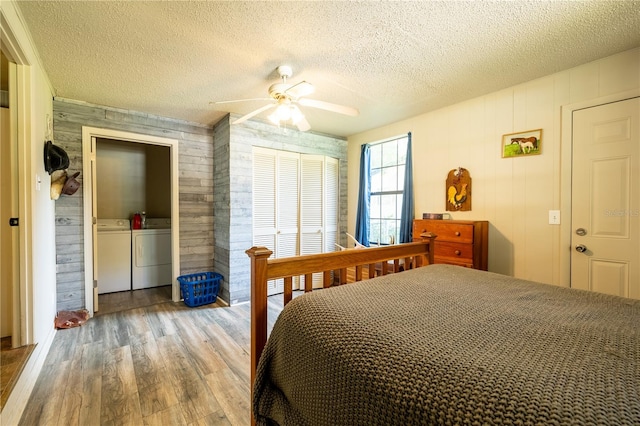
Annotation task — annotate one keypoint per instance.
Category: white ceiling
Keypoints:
(391, 60)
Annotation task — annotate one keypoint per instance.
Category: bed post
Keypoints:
(259, 257)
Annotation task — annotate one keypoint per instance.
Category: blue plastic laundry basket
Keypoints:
(200, 288)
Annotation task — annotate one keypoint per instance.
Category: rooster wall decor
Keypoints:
(458, 190)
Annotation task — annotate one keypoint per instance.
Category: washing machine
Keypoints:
(114, 255)
(151, 254)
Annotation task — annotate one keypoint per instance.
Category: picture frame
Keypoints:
(522, 144)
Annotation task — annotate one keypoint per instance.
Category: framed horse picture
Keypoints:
(522, 143)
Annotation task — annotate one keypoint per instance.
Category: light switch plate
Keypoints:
(554, 217)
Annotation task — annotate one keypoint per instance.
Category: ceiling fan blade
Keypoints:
(239, 100)
(299, 90)
(340, 109)
(254, 113)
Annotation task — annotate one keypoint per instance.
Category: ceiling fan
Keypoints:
(285, 98)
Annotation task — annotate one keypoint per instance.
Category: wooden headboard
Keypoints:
(263, 269)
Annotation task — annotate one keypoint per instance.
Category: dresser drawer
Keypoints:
(458, 251)
(458, 242)
(453, 232)
(448, 261)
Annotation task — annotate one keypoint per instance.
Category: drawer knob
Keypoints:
(457, 233)
(457, 252)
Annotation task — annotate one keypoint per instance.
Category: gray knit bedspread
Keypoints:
(449, 345)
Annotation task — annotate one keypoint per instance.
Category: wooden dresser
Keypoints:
(458, 242)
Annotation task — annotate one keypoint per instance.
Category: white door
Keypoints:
(331, 203)
(12, 320)
(264, 205)
(312, 190)
(288, 170)
(606, 199)
(276, 205)
(8, 234)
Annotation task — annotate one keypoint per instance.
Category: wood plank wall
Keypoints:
(196, 189)
(231, 200)
(233, 193)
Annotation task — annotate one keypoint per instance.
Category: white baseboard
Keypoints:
(12, 411)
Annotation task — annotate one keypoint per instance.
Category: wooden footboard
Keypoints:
(380, 259)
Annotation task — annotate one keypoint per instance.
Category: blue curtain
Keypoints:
(406, 220)
(364, 197)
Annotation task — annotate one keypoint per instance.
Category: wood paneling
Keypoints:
(232, 196)
(195, 192)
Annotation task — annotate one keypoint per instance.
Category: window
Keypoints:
(387, 163)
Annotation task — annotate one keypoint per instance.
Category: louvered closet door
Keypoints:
(264, 204)
(288, 204)
(312, 188)
(331, 213)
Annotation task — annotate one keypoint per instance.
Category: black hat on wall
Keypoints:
(55, 158)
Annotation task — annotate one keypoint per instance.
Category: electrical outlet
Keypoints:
(554, 217)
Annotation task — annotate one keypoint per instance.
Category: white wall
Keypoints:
(514, 195)
(132, 177)
(37, 219)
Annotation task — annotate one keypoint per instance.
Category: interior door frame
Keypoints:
(20, 82)
(566, 164)
(88, 158)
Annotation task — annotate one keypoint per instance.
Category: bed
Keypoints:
(449, 345)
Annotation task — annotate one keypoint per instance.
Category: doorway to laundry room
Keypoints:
(133, 206)
(131, 209)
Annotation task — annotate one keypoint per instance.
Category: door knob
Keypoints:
(581, 248)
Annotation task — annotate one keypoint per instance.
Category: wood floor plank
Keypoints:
(92, 369)
(119, 394)
(136, 320)
(148, 363)
(159, 319)
(115, 333)
(169, 416)
(234, 324)
(72, 400)
(196, 400)
(46, 403)
(156, 398)
(178, 364)
(66, 340)
(214, 419)
(118, 377)
(233, 395)
(236, 357)
(122, 411)
(204, 357)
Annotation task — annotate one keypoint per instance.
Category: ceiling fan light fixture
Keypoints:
(282, 113)
(285, 99)
(273, 117)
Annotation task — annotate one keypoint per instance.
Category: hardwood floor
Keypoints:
(164, 364)
(12, 362)
(124, 300)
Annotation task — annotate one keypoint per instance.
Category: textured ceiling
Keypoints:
(391, 60)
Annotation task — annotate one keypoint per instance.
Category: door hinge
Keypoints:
(14, 221)
(95, 283)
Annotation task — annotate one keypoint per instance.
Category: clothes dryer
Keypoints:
(151, 254)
